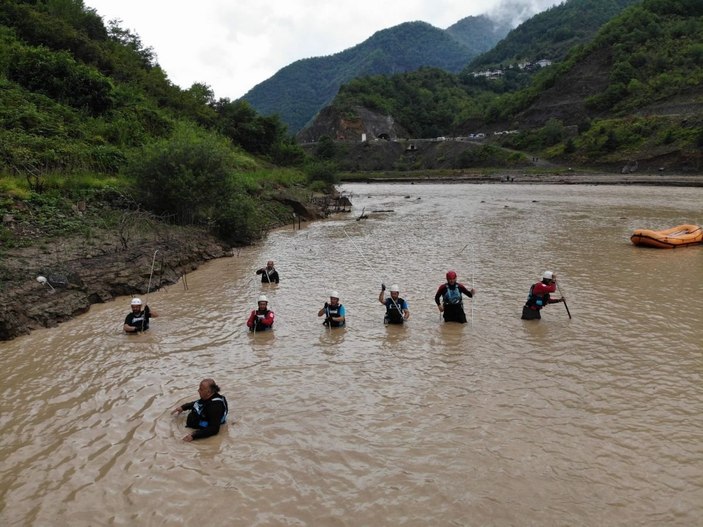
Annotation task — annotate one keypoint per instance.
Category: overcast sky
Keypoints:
(233, 45)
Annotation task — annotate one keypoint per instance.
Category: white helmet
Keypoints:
(394, 289)
(136, 302)
(262, 298)
(548, 275)
(334, 294)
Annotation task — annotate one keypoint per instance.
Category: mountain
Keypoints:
(552, 33)
(298, 91)
(633, 92)
(478, 33)
(430, 104)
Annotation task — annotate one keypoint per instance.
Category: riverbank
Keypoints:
(564, 177)
(133, 255)
(80, 274)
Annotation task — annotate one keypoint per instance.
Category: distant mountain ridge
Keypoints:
(553, 32)
(629, 95)
(298, 91)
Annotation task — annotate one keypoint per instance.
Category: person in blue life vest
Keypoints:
(538, 297)
(449, 300)
(333, 311)
(138, 319)
(261, 319)
(397, 310)
(207, 413)
(268, 274)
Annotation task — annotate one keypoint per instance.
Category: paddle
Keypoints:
(148, 289)
(563, 301)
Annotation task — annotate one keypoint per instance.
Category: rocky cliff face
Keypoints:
(351, 127)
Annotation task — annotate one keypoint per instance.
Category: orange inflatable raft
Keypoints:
(679, 236)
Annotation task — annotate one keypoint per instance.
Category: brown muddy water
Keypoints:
(595, 420)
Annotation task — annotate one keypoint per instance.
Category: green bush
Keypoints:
(186, 176)
(237, 220)
(325, 171)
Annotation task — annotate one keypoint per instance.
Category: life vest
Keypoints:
(333, 311)
(140, 320)
(451, 295)
(535, 301)
(394, 310)
(260, 315)
(199, 410)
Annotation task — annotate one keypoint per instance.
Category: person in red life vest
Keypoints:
(452, 305)
(207, 413)
(538, 296)
(261, 319)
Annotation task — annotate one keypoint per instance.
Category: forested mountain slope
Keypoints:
(298, 91)
(633, 93)
(552, 33)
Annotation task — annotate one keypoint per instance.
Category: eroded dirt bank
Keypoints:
(80, 274)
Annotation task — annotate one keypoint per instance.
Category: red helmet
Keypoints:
(451, 275)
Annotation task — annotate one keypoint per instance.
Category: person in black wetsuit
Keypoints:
(452, 306)
(397, 310)
(207, 413)
(138, 319)
(268, 274)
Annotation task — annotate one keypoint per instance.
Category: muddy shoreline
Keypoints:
(77, 278)
(566, 178)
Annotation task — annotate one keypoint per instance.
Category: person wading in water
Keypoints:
(538, 297)
(452, 305)
(268, 274)
(396, 308)
(261, 319)
(138, 319)
(335, 314)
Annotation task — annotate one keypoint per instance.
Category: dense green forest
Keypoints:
(85, 108)
(649, 59)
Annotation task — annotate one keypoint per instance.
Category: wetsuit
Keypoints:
(394, 311)
(260, 320)
(207, 415)
(268, 275)
(537, 298)
(452, 301)
(139, 320)
(334, 311)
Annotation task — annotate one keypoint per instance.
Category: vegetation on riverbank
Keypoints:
(88, 119)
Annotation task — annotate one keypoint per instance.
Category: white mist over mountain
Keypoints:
(515, 12)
